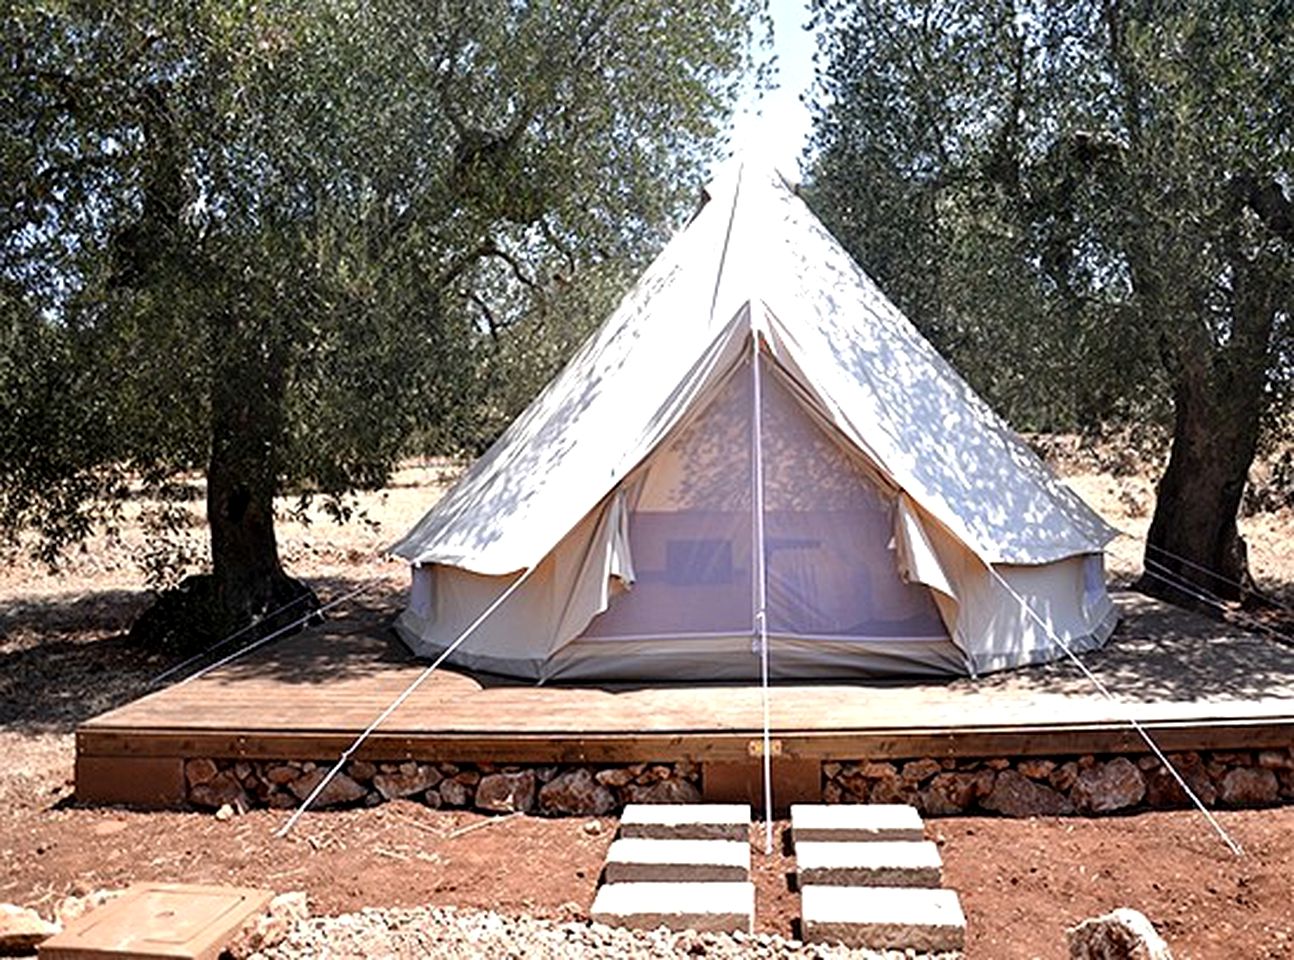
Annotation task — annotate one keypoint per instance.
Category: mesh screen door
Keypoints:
(827, 527)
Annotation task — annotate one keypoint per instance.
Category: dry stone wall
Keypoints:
(1087, 785)
(551, 790)
(1013, 787)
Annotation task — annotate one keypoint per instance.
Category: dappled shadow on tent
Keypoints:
(911, 403)
(538, 454)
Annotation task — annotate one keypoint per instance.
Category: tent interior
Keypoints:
(824, 524)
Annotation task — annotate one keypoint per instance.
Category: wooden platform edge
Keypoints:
(696, 746)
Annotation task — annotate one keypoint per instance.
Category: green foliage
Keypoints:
(1073, 201)
(320, 228)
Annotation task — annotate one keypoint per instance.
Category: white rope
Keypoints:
(760, 626)
(278, 633)
(1274, 601)
(1197, 592)
(396, 704)
(1132, 721)
(179, 667)
(1201, 594)
(1164, 551)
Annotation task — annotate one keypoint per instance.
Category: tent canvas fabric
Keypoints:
(756, 420)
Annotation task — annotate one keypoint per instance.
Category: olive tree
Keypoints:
(270, 241)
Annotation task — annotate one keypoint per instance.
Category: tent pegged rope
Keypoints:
(243, 651)
(760, 625)
(395, 704)
(1203, 595)
(180, 667)
(1132, 721)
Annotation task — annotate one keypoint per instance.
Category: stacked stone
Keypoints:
(549, 790)
(1036, 786)
(1020, 787)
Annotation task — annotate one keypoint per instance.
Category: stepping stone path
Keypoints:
(850, 822)
(690, 821)
(868, 878)
(884, 918)
(681, 866)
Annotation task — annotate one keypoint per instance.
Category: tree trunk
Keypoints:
(1194, 545)
(247, 422)
(1219, 401)
(247, 594)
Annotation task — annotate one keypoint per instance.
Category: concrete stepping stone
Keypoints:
(705, 907)
(855, 822)
(686, 821)
(884, 918)
(874, 863)
(635, 860)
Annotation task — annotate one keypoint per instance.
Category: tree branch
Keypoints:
(1267, 199)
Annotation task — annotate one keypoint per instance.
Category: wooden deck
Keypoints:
(1194, 683)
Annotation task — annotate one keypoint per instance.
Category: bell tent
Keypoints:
(757, 466)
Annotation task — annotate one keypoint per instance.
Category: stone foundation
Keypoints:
(1013, 787)
(550, 790)
(1086, 785)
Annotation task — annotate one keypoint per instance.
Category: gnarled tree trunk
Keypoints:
(247, 592)
(1194, 549)
(1194, 546)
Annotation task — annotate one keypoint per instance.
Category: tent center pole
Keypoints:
(759, 628)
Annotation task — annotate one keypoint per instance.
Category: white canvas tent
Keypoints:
(757, 453)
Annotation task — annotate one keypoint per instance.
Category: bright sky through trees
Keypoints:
(775, 124)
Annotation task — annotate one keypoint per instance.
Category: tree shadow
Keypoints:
(66, 659)
(1165, 653)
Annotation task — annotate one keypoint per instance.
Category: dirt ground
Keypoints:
(64, 658)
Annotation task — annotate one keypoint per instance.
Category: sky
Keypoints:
(777, 123)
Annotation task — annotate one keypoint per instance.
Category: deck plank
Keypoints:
(1196, 683)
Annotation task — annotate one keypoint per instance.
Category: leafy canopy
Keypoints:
(1072, 200)
(334, 213)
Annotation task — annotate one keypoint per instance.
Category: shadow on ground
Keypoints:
(1161, 652)
(65, 659)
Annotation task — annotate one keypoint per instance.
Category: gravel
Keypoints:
(447, 932)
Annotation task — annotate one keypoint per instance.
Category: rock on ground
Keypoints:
(506, 792)
(74, 907)
(1123, 934)
(269, 928)
(1250, 787)
(1108, 787)
(1017, 796)
(22, 930)
(576, 792)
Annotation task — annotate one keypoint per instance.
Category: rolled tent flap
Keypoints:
(574, 583)
(607, 570)
(918, 560)
(987, 620)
